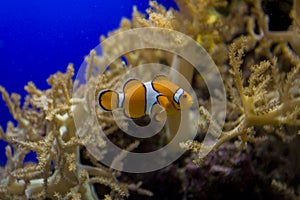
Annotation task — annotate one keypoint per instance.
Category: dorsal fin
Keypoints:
(108, 99)
(131, 84)
(164, 86)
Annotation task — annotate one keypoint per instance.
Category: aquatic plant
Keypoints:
(260, 68)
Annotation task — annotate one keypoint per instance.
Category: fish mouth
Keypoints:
(190, 103)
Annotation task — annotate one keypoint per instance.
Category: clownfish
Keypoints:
(139, 99)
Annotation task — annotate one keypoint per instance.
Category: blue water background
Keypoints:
(39, 38)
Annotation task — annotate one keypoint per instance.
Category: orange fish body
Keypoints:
(139, 99)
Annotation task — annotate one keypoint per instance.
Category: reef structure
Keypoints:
(261, 72)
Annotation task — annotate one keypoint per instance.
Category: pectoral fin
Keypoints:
(161, 116)
(163, 101)
(158, 112)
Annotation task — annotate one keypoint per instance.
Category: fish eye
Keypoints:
(184, 96)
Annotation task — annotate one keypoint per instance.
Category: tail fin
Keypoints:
(108, 100)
